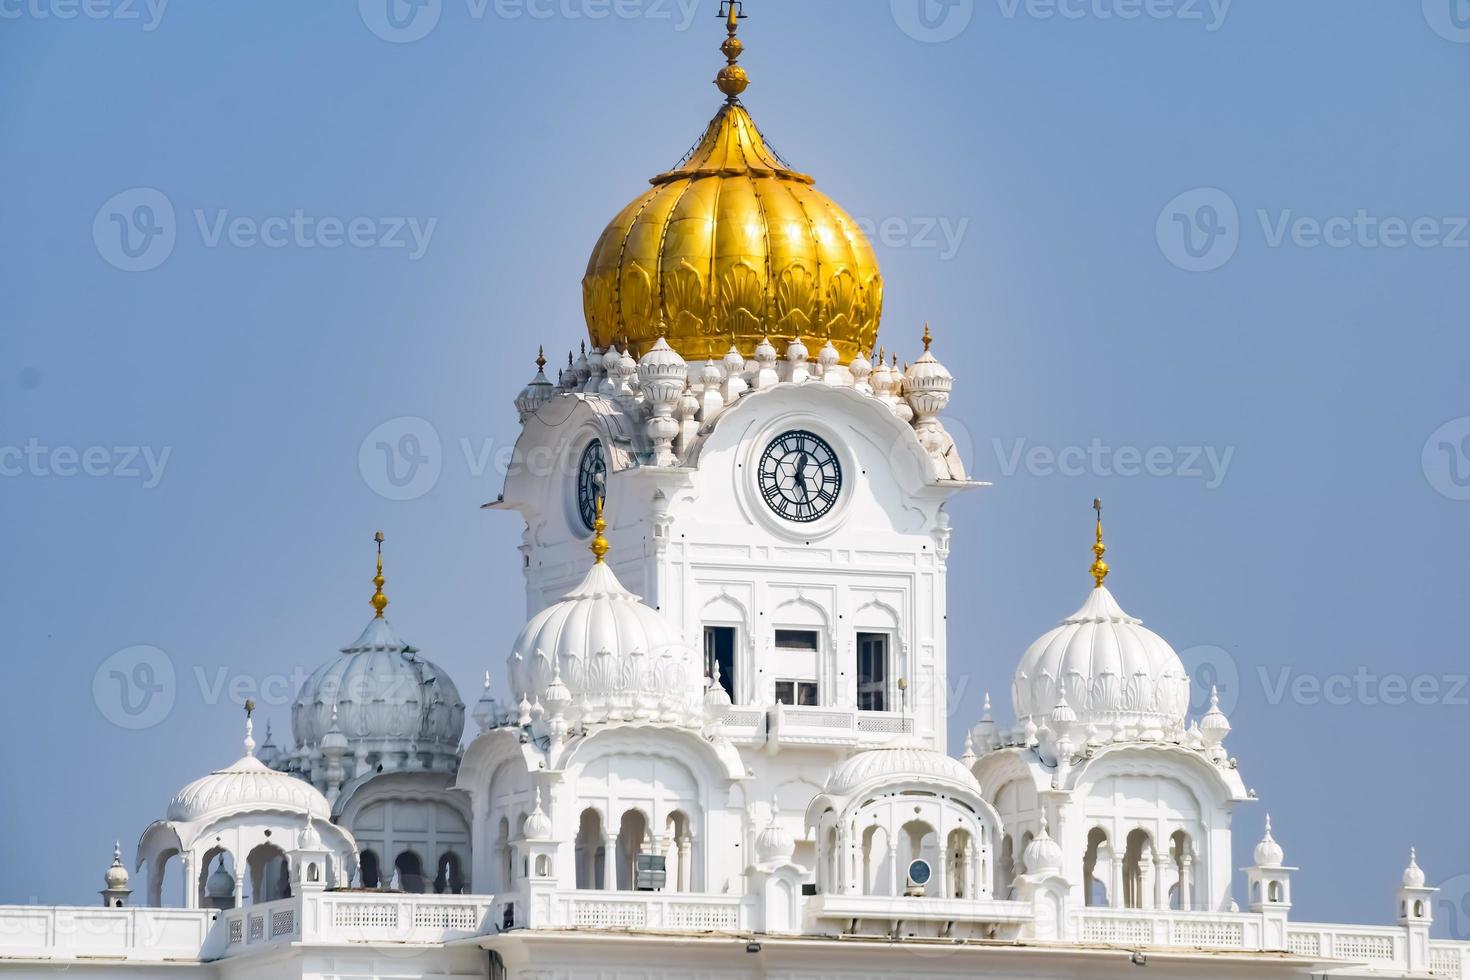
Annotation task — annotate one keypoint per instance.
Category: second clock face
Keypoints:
(800, 477)
(591, 482)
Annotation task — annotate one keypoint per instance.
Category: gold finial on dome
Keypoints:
(541, 358)
(599, 545)
(928, 338)
(1099, 567)
(732, 79)
(379, 601)
(731, 245)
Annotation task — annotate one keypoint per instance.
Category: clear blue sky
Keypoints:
(1324, 541)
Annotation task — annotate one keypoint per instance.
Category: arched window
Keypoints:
(591, 851)
(1139, 871)
(632, 841)
(1097, 869)
(449, 880)
(410, 873)
(680, 858)
(543, 866)
(269, 874)
(1005, 868)
(369, 875)
(1274, 891)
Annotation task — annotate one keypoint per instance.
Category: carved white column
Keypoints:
(893, 888)
(1186, 883)
(1146, 880)
(686, 882)
(610, 861)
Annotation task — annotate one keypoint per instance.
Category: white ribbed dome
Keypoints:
(116, 875)
(388, 699)
(247, 785)
(619, 658)
(1413, 874)
(1268, 853)
(1043, 855)
(1114, 673)
(774, 845)
(906, 763)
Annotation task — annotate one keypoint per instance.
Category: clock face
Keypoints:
(591, 482)
(800, 476)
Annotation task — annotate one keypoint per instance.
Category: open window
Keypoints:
(872, 672)
(719, 654)
(797, 693)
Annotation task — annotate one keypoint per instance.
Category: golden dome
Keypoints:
(732, 246)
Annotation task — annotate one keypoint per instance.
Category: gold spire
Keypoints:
(541, 358)
(928, 338)
(732, 79)
(379, 600)
(1099, 567)
(599, 546)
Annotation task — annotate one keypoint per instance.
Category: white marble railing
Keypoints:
(1374, 945)
(132, 934)
(1140, 927)
(668, 911)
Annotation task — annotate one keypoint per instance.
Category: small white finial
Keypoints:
(487, 680)
(985, 715)
(249, 728)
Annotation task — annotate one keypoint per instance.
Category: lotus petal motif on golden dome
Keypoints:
(742, 301)
(683, 300)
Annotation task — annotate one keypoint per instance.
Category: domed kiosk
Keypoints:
(239, 825)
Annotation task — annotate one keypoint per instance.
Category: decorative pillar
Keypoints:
(893, 888)
(1146, 880)
(610, 863)
(686, 845)
(191, 881)
(1116, 898)
(1186, 882)
(941, 874)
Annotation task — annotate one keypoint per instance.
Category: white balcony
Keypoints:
(886, 908)
(34, 932)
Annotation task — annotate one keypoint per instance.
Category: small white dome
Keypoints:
(1413, 874)
(249, 784)
(774, 845)
(538, 824)
(905, 763)
(1269, 853)
(117, 875)
(1043, 855)
(618, 658)
(220, 884)
(1114, 673)
(384, 693)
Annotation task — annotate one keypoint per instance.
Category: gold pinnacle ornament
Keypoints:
(1099, 567)
(599, 545)
(379, 600)
(732, 79)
